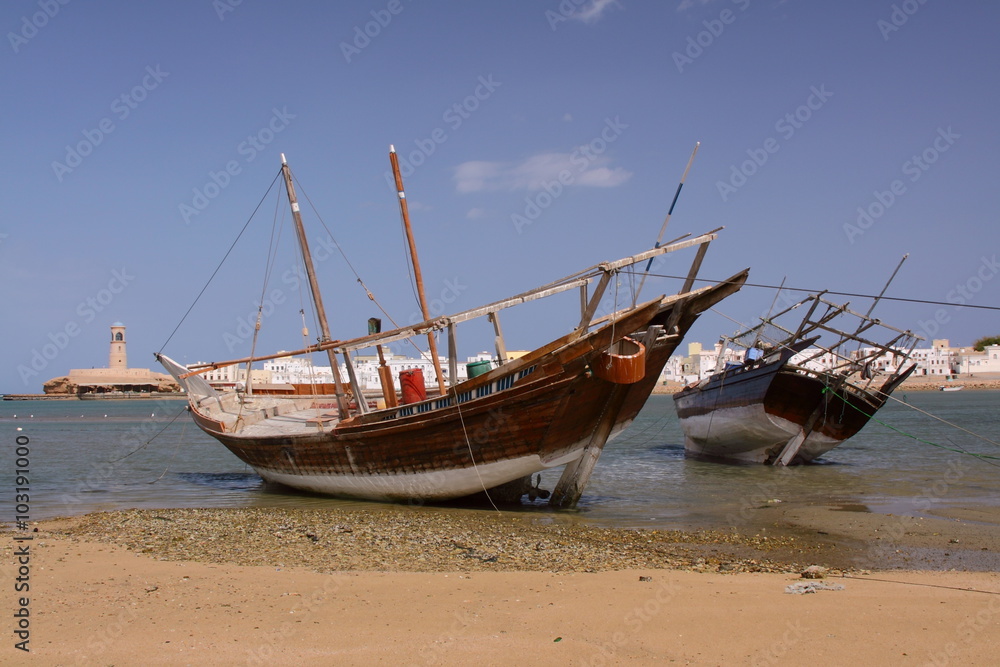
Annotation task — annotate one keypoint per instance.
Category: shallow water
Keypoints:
(97, 455)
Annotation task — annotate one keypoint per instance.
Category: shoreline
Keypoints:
(984, 382)
(420, 586)
(155, 396)
(923, 383)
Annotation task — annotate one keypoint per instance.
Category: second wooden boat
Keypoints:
(788, 400)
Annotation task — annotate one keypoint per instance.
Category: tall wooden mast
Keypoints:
(670, 211)
(314, 288)
(404, 210)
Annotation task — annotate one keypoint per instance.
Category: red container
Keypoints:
(412, 383)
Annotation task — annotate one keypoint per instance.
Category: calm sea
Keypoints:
(101, 455)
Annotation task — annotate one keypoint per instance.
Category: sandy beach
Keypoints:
(424, 586)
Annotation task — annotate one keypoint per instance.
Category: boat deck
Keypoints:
(271, 416)
(310, 420)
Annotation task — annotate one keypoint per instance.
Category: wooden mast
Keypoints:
(314, 288)
(431, 342)
(663, 228)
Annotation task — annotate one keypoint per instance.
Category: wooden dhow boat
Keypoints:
(555, 406)
(787, 399)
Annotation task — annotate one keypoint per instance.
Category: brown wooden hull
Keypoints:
(535, 413)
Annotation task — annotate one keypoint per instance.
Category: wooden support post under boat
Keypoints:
(418, 276)
(494, 318)
(314, 288)
(577, 473)
(575, 476)
(794, 444)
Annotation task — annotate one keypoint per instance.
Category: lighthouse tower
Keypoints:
(117, 357)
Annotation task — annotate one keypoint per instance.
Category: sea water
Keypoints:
(87, 456)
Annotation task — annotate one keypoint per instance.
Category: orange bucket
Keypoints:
(412, 383)
(623, 363)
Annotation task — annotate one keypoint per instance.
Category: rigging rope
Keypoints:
(847, 294)
(924, 412)
(361, 282)
(224, 258)
(153, 437)
(944, 421)
(272, 254)
(986, 458)
(408, 258)
(472, 456)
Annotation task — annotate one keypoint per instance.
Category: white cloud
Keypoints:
(688, 4)
(604, 177)
(592, 11)
(413, 205)
(531, 174)
(475, 213)
(474, 176)
(568, 117)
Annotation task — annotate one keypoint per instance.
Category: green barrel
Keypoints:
(477, 368)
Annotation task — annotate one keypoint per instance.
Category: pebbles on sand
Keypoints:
(417, 540)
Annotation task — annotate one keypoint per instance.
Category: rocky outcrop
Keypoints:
(68, 385)
(60, 385)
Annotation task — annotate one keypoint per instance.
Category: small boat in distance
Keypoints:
(557, 405)
(782, 398)
(952, 387)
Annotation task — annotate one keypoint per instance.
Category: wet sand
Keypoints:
(421, 586)
(856, 537)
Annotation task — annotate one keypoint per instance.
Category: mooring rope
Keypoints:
(984, 457)
(468, 443)
(152, 438)
(948, 423)
(917, 583)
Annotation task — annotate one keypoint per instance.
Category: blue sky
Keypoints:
(139, 137)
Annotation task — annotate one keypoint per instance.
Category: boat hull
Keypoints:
(539, 412)
(460, 451)
(749, 416)
(453, 454)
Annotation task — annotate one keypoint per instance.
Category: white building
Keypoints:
(300, 370)
(816, 359)
(942, 359)
(701, 361)
(228, 376)
(933, 361)
(970, 361)
(673, 370)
